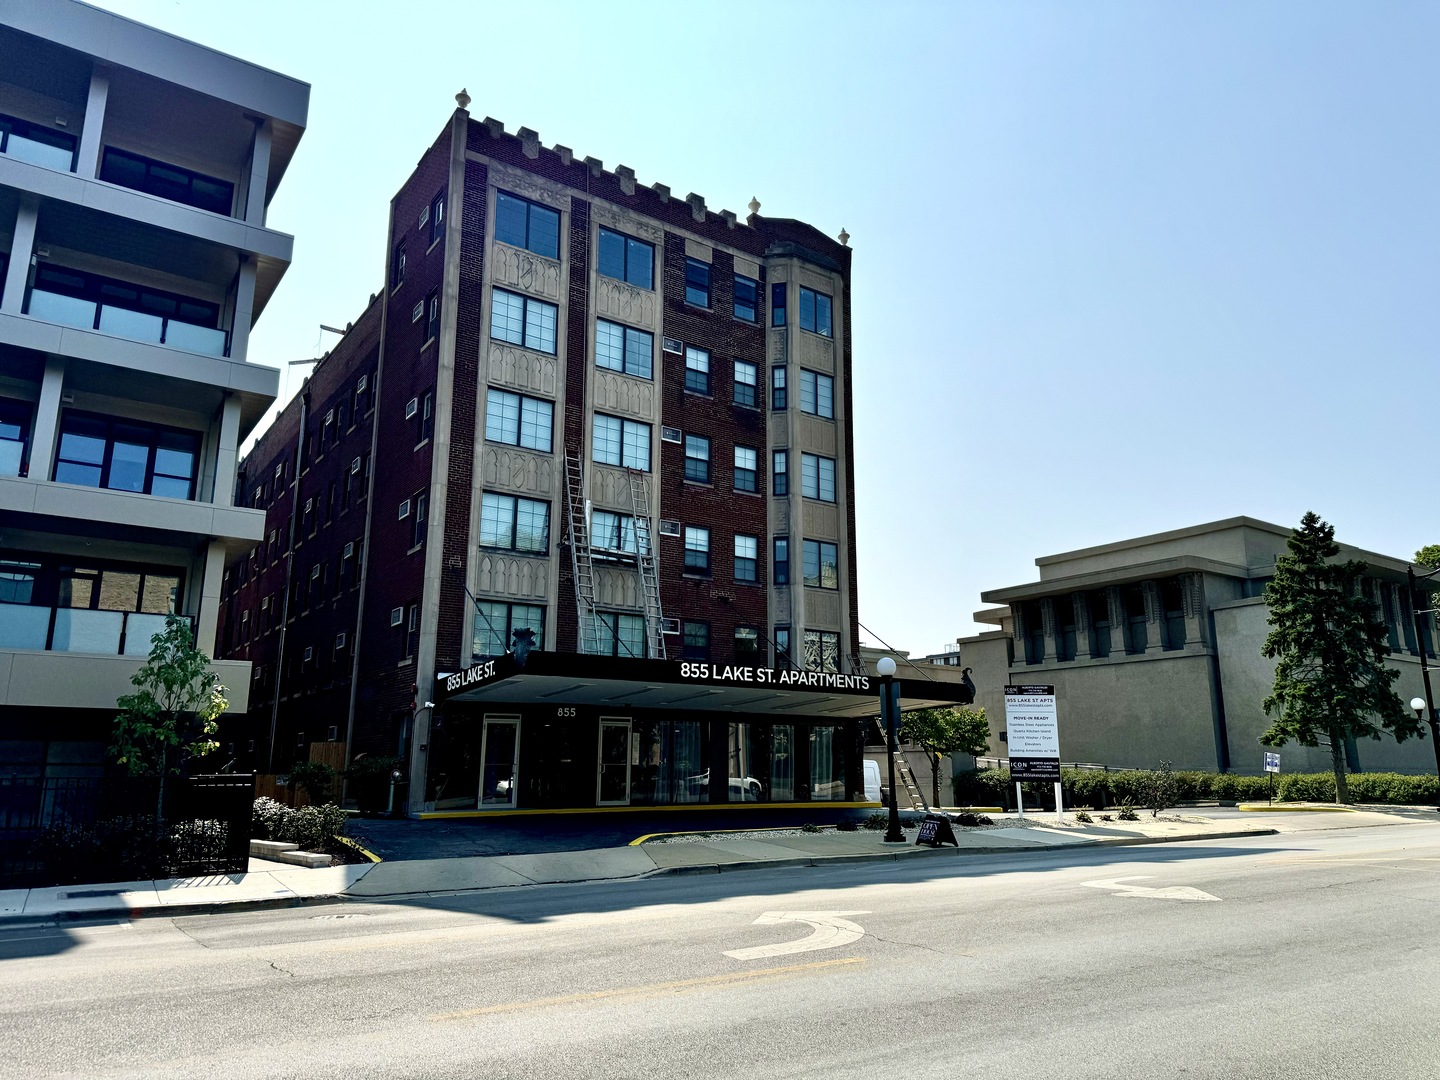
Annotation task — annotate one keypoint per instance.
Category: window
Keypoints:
(783, 658)
(432, 319)
(624, 349)
(620, 442)
(695, 641)
(167, 181)
(814, 312)
(14, 436)
(777, 304)
(397, 265)
(412, 630)
(822, 564)
(747, 643)
(697, 550)
(747, 376)
(817, 394)
(747, 299)
(697, 370)
(747, 475)
(779, 396)
(610, 532)
(523, 321)
(514, 524)
(780, 482)
(36, 144)
(822, 650)
(519, 421)
(697, 283)
(621, 635)
(417, 531)
(817, 477)
(427, 418)
(362, 398)
(126, 456)
(496, 623)
(747, 558)
(113, 306)
(697, 459)
(1097, 606)
(437, 217)
(781, 560)
(627, 259)
(527, 225)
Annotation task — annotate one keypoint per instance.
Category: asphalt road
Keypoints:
(1315, 959)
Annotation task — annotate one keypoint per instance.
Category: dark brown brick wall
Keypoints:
(567, 623)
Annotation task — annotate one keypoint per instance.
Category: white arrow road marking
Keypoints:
(1173, 892)
(828, 931)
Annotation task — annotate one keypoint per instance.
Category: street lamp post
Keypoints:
(1427, 703)
(885, 668)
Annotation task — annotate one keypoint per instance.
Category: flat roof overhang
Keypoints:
(609, 682)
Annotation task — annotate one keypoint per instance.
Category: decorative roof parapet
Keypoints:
(729, 216)
(566, 154)
(529, 142)
(595, 165)
(495, 127)
(697, 206)
(663, 190)
(626, 176)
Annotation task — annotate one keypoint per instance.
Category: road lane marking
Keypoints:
(677, 986)
(1172, 892)
(828, 931)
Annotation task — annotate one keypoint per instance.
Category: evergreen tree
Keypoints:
(1329, 645)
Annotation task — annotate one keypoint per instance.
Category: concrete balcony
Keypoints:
(79, 680)
(123, 322)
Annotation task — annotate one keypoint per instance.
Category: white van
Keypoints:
(872, 781)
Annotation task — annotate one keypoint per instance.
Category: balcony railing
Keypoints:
(78, 630)
(126, 323)
(37, 145)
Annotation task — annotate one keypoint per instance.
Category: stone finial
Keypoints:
(529, 142)
(462, 99)
(566, 154)
(754, 206)
(595, 165)
(663, 190)
(626, 176)
(496, 128)
(729, 216)
(697, 206)
(844, 237)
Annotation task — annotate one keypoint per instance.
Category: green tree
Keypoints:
(172, 715)
(1329, 645)
(1428, 556)
(946, 731)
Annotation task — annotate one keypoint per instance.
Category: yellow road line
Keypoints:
(360, 848)
(652, 988)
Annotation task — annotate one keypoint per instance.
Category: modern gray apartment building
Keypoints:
(135, 172)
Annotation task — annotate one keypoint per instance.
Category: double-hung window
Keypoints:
(627, 259)
(817, 477)
(780, 472)
(496, 623)
(624, 349)
(822, 564)
(779, 388)
(437, 216)
(817, 394)
(747, 469)
(432, 316)
(777, 304)
(397, 265)
(747, 558)
(814, 312)
(615, 441)
(522, 320)
(421, 503)
(621, 635)
(747, 377)
(697, 550)
(697, 370)
(697, 283)
(695, 641)
(747, 299)
(697, 459)
(518, 420)
(96, 451)
(781, 560)
(427, 417)
(511, 523)
(527, 225)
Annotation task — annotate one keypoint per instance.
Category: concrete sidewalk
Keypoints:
(711, 853)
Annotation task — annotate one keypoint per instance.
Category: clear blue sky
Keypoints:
(1119, 268)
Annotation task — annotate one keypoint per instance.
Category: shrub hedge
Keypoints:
(1098, 788)
(312, 827)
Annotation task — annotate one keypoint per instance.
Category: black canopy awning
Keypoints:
(624, 682)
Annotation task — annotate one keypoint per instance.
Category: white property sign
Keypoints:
(1032, 732)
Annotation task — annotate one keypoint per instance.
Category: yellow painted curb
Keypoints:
(1310, 807)
(433, 815)
(360, 848)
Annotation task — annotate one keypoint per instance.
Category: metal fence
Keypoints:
(67, 830)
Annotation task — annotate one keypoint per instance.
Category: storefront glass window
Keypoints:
(667, 763)
(827, 764)
(782, 763)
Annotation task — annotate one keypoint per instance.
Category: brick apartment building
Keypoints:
(596, 411)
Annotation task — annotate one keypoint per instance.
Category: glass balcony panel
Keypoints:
(139, 630)
(23, 626)
(66, 310)
(135, 325)
(196, 339)
(38, 153)
(79, 630)
(11, 453)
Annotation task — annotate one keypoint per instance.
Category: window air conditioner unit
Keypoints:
(669, 527)
(424, 216)
(279, 470)
(329, 417)
(397, 616)
(404, 510)
(674, 345)
(364, 382)
(350, 549)
(355, 465)
(671, 626)
(300, 738)
(309, 653)
(265, 603)
(412, 407)
(419, 311)
(315, 572)
(309, 505)
(339, 641)
(671, 434)
(332, 733)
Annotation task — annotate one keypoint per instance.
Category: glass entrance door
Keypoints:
(499, 761)
(614, 784)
